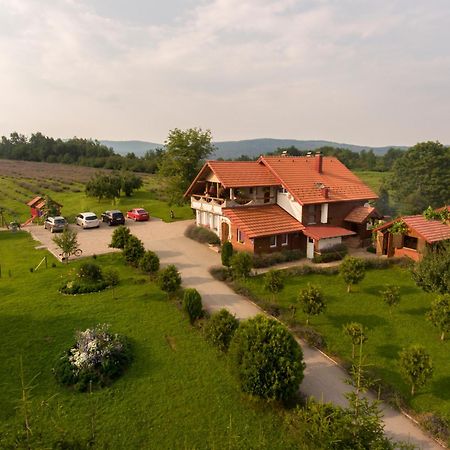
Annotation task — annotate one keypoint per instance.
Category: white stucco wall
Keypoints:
(285, 201)
(326, 243)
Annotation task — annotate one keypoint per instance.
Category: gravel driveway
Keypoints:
(324, 379)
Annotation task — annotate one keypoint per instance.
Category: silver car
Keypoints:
(57, 223)
(88, 220)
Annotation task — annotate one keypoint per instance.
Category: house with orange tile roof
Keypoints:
(309, 203)
(411, 236)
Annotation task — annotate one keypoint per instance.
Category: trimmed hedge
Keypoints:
(334, 253)
(201, 234)
(270, 259)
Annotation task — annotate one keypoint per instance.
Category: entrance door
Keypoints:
(310, 248)
(225, 232)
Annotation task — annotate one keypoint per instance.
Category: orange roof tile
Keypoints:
(266, 220)
(300, 177)
(34, 201)
(324, 232)
(360, 214)
(429, 230)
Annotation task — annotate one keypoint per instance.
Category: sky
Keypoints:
(355, 71)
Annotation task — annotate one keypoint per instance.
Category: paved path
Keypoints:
(324, 380)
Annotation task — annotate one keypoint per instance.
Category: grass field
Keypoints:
(177, 394)
(387, 334)
(22, 181)
(373, 179)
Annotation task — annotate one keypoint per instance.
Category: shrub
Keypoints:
(220, 273)
(267, 359)
(201, 234)
(273, 282)
(334, 253)
(220, 328)
(270, 259)
(149, 263)
(226, 253)
(241, 264)
(120, 237)
(416, 366)
(133, 250)
(169, 279)
(312, 302)
(96, 359)
(192, 304)
(89, 272)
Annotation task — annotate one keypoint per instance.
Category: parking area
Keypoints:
(95, 241)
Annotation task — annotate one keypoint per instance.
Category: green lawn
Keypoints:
(14, 197)
(178, 392)
(387, 334)
(373, 179)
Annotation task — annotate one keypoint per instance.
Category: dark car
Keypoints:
(113, 217)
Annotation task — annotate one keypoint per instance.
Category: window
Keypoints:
(273, 241)
(284, 239)
(410, 242)
(239, 236)
(250, 190)
(311, 214)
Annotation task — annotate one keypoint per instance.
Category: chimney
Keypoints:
(318, 162)
(325, 191)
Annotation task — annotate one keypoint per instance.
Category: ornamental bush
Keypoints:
(133, 250)
(241, 264)
(226, 253)
(352, 270)
(90, 272)
(267, 358)
(96, 359)
(88, 278)
(149, 263)
(169, 279)
(192, 304)
(120, 237)
(220, 329)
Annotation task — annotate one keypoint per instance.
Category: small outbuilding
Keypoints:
(41, 207)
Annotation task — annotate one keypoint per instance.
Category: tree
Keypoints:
(312, 301)
(267, 358)
(226, 253)
(67, 242)
(120, 237)
(104, 186)
(391, 295)
(169, 279)
(273, 282)
(111, 277)
(192, 304)
(133, 250)
(241, 264)
(355, 331)
(185, 151)
(420, 177)
(415, 366)
(432, 273)
(130, 183)
(439, 314)
(220, 329)
(149, 263)
(352, 270)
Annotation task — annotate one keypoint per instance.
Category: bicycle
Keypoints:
(76, 252)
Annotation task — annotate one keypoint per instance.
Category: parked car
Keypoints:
(57, 223)
(114, 217)
(138, 214)
(88, 220)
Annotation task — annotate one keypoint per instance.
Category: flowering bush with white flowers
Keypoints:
(97, 358)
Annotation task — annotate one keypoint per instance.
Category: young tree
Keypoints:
(192, 304)
(267, 358)
(391, 296)
(67, 242)
(273, 282)
(241, 264)
(415, 366)
(111, 277)
(185, 151)
(432, 273)
(130, 183)
(226, 253)
(355, 331)
(312, 302)
(106, 186)
(439, 314)
(169, 279)
(352, 270)
(133, 250)
(220, 329)
(120, 237)
(149, 263)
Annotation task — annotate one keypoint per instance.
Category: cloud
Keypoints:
(342, 70)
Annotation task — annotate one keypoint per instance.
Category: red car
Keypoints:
(138, 214)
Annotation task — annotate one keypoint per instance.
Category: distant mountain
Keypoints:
(249, 147)
(136, 147)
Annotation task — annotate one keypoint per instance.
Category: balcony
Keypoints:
(215, 204)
